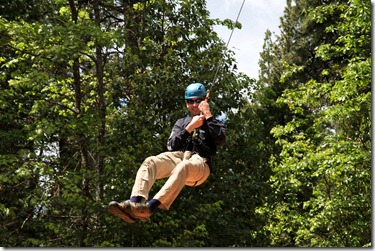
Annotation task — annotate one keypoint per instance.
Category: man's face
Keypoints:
(192, 104)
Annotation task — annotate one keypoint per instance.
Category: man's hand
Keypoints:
(204, 107)
(196, 122)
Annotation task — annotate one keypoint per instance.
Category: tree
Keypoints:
(321, 177)
(89, 89)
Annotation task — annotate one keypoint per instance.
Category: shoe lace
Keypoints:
(142, 206)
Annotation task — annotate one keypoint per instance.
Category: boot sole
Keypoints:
(115, 209)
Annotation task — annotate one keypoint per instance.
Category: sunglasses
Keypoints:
(191, 101)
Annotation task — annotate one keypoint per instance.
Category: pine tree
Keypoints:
(325, 146)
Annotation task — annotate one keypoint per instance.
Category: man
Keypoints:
(192, 146)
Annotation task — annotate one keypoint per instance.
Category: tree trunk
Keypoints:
(101, 109)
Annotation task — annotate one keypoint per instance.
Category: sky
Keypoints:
(256, 17)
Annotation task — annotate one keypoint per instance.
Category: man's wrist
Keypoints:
(189, 129)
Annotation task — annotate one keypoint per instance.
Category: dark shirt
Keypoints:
(208, 137)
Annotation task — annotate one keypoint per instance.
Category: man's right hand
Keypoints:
(196, 122)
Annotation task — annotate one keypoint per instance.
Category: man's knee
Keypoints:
(149, 161)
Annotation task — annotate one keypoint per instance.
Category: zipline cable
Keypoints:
(230, 37)
(218, 66)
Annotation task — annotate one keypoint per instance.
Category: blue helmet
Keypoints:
(195, 90)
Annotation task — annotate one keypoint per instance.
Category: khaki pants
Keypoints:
(182, 168)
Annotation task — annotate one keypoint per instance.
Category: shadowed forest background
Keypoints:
(90, 88)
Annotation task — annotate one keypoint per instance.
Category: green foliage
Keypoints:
(321, 178)
(86, 94)
(89, 89)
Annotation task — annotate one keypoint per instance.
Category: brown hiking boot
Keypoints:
(119, 210)
(138, 210)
